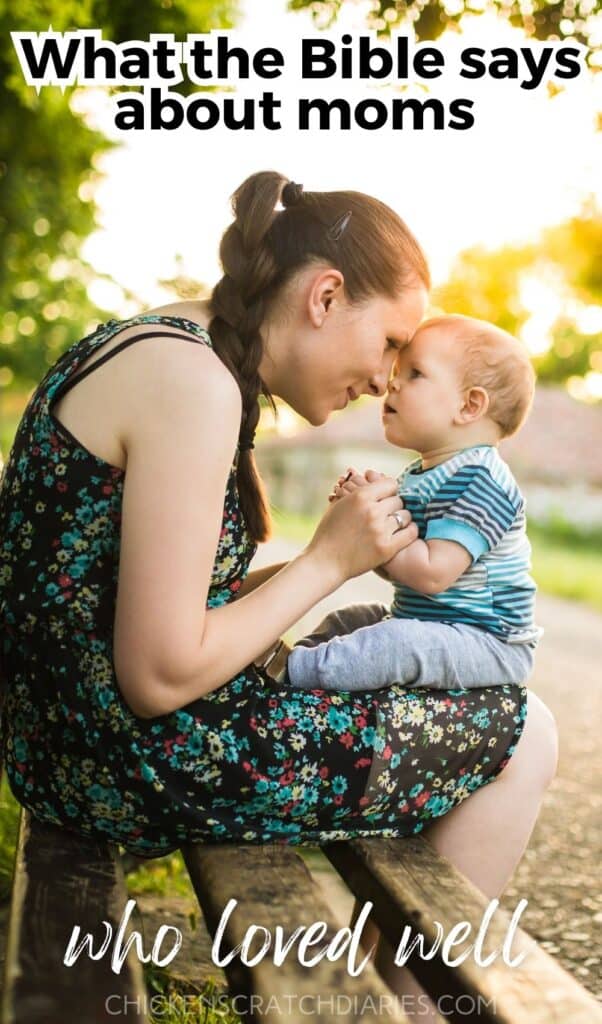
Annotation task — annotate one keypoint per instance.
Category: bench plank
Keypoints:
(409, 883)
(62, 880)
(273, 886)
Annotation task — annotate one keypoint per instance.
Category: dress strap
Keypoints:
(74, 378)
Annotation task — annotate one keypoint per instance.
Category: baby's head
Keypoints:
(459, 382)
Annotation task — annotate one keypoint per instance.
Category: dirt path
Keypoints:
(560, 871)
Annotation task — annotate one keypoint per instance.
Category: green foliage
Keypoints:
(48, 163)
(557, 530)
(542, 19)
(163, 876)
(576, 246)
(487, 284)
(46, 155)
(10, 812)
(572, 354)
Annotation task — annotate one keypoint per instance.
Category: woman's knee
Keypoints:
(536, 754)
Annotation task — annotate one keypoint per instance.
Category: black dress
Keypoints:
(250, 761)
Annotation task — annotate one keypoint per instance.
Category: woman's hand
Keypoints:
(364, 527)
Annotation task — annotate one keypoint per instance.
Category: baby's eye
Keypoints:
(414, 372)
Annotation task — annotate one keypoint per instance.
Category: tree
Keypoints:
(575, 248)
(542, 19)
(489, 285)
(47, 169)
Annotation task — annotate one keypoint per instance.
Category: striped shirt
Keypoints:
(474, 500)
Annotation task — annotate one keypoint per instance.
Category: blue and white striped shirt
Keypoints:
(474, 500)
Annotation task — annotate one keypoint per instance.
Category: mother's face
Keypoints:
(353, 352)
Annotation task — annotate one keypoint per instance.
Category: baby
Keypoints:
(462, 610)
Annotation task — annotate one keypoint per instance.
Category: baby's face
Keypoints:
(425, 392)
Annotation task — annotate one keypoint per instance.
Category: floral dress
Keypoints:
(251, 761)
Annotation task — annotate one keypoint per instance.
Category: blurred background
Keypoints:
(97, 224)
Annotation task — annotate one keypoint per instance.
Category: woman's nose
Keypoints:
(378, 383)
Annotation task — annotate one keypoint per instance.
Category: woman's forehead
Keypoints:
(402, 315)
(430, 342)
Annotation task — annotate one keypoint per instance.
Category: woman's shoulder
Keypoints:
(181, 379)
(184, 317)
(195, 313)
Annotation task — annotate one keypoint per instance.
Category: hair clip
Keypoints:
(335, 232)
(246, 444)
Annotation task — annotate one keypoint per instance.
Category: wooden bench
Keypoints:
(62, 880)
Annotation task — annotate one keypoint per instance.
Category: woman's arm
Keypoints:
(255, 578)
(168, 648)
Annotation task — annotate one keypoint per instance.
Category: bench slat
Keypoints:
(62, 880)
(409, 883)
(273, 886)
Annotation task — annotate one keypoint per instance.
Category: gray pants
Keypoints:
(362, 648)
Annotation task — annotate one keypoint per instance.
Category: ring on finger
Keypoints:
(398, 517)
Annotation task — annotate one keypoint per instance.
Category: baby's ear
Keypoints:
(474, 405)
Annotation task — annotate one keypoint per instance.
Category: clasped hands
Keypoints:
(365, 527)
(353, 479)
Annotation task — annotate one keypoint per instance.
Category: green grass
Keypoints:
(164, 876)
(566, 568)
(293, 526)
(9, 822)
(170, 1003)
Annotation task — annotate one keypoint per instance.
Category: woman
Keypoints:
(129, 512)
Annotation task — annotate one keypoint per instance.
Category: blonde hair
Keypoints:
(498, 362)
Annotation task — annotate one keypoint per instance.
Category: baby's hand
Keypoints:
(347, 483)
(353, 479)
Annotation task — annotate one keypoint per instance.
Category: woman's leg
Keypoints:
(486, 835)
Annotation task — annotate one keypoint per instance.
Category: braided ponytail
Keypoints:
(261, 250)
(238, 305)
